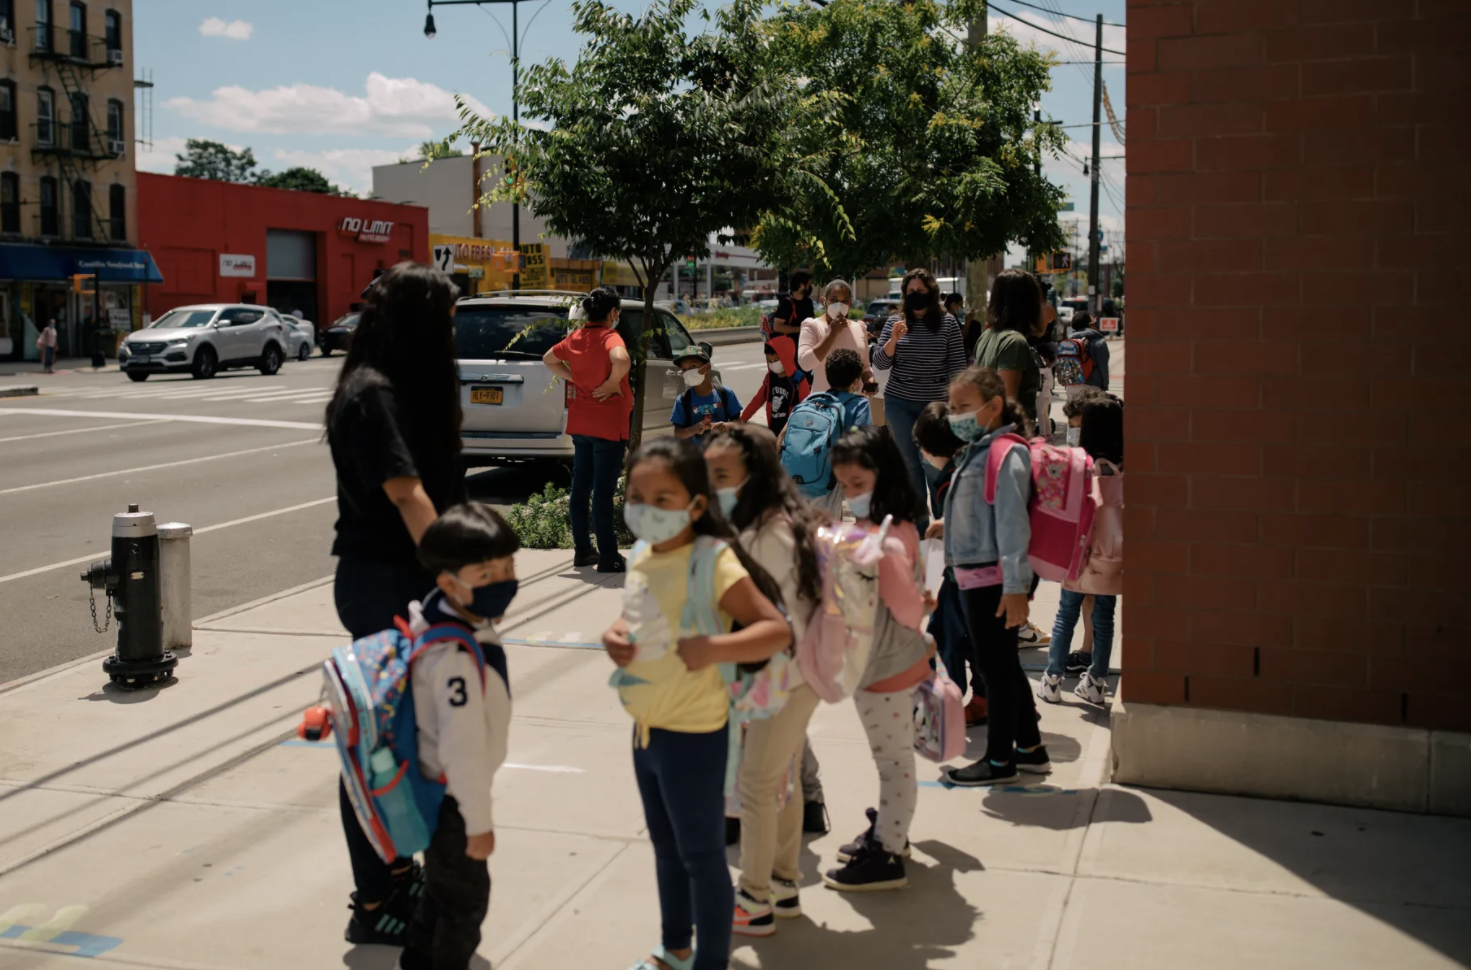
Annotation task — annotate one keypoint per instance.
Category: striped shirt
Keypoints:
(924, 363)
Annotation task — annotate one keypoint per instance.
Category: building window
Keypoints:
(43, 25)
(80, 140)
(113, 30)
(7, 21)
(79, 30)
(45, 117)
(10, 203)
(114, 123)
(81, 210)
(117, 212)
(7, 111)
(50, 217)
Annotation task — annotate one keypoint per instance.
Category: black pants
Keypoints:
(368, 595)
(1011, 714)
(446, 928)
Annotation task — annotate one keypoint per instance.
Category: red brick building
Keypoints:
(1298, 457)
(219, 242)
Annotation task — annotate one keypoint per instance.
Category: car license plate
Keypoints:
(142, 359)
(487, 395)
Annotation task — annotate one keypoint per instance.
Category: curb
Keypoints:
(23, 390)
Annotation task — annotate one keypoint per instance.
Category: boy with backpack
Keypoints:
(1082, 358)
(816, 424)
(780, 388)
(421, 716)
(705, 406)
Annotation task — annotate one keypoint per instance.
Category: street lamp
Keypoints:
(515, 41)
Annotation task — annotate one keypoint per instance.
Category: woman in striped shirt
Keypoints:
(922, 350)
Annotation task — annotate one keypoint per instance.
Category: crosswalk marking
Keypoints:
(211, 392)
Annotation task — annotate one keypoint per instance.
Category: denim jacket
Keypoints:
(979, 534)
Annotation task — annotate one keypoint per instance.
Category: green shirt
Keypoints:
(1008, 350)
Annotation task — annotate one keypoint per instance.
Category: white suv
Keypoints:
(203, 340)
(514, 408)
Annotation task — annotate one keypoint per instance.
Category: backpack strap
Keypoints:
(443, 632)
(700, 612)
(999, 448)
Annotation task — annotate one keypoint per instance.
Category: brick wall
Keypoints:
(1299, 437)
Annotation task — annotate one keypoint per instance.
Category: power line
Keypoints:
(1059, 13)
(1044, 30)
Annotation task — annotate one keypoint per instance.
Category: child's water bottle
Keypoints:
(396, 804)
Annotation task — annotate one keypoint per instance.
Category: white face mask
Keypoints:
(693, 377)
(776, 368)
(836, 310)
(1074, 436)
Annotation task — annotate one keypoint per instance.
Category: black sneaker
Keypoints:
(871, 870)
(732, 830)
(848, 851)
(983, 772)
(588, 558)
(1035, 760)
(618, 565)
(814, 819)
(1077, 662)
(386, 924)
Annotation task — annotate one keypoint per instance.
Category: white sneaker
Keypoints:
(1092, 689)
(1032, 636)
(1049, 688)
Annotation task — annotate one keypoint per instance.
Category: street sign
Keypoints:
(1109, 324)
(1062, 261)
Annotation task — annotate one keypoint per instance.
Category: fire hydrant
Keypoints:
(130, 580)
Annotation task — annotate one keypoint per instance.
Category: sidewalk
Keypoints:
(187, 828)
(63, 366)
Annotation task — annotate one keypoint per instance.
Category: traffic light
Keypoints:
(1062, 261)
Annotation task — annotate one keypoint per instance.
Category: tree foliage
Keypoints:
(430, 150)
(938, 152)
(302, 179)
(203, 159)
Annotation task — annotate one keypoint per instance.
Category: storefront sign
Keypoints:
(120, 319)
(237, 265)
(1109, 324)
(534, 264)
(370, 231)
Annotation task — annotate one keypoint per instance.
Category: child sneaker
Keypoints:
(1049, 688)
(1032, 636)
(752, 918)
(1092, 689)
(1035, 760)
(786, 900)
(983, 772)
(871, 870)
(1077, 662)
(851, 849)
(385, 925)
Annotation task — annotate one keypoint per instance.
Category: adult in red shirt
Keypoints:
(595, 363)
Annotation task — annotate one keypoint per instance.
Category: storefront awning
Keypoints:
(19, 262)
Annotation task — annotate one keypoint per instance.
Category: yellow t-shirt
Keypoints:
(663, 693)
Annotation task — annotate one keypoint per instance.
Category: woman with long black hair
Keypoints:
(393, 425)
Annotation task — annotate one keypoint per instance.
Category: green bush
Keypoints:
(746, 316)
(544, 521)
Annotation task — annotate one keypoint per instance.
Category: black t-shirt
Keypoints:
(793, 311)
(371, 443)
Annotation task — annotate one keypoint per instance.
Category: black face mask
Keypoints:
(915, 302)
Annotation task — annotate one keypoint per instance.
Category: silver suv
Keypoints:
(515, 409)
(204, 339)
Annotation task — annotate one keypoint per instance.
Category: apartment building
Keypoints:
(68, 216)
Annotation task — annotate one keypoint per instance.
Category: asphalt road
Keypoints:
(250, 472)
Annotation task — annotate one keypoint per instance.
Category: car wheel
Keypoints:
(270, 360)
(139, 376)
(306, 351)
(206, 363)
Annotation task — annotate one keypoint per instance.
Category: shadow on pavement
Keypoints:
(121, 695)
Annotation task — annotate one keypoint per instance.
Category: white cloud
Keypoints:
(1027, 33)
(234, 30)
(403, 107)
(351, 168)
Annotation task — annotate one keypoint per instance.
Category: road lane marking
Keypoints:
(100, 427)
(102, 553)
(187, 418)
(149, 468)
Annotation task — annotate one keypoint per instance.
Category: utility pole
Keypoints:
(1095, 297)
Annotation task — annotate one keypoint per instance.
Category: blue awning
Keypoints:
(21, 262)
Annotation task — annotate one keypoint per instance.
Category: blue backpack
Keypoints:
(370, 711)
(807, 450)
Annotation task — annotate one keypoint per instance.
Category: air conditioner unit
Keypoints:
(117, 147)
(115, 57)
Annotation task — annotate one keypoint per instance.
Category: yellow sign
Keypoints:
(535, 260)
(480, 265)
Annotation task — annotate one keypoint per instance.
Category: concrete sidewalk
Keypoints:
(185, 827)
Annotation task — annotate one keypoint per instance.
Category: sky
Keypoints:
(343, 85)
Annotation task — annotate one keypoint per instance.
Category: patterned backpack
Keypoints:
(1074, 362)
(836, 649)
(1062, 504)
(939, 718)
(1103, 565)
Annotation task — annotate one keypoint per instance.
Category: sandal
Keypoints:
(669, 960)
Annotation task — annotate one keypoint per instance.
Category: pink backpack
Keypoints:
(1062, 505)
(836, 648)
(1103, 566)
(939, 719)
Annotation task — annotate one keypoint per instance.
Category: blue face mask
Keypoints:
(728, 497)
(966, 427)
(490, 601)
(859, 505)
(653, 524)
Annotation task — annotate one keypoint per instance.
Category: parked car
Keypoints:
(339, 335)
(302, 335)
(205, 339)
(877, 314)
(514, 408)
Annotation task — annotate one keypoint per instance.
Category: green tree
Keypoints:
(302, 179)
(938, 152)
(430, 150)
(204, 159)
(655, 139)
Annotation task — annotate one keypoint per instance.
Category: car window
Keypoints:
(183, 320)
(676, 334)
(485, 332)
(238, 316)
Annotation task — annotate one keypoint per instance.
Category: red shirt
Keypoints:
(587, 350)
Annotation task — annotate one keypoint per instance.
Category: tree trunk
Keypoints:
(641, 359)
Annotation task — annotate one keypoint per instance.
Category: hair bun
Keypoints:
(586, 304)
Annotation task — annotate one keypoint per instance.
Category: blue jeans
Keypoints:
(681, 777)
(596, 464)
(900, 416)
(1068, 612)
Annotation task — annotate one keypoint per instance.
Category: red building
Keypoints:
(219, 242)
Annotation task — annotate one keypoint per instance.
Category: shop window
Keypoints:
(45, 117)
(79, 30)
(7, 111)
(81, 209)
(117, 213)
(10, 203)
(43, 25)
(113, 30)
(50, 215)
